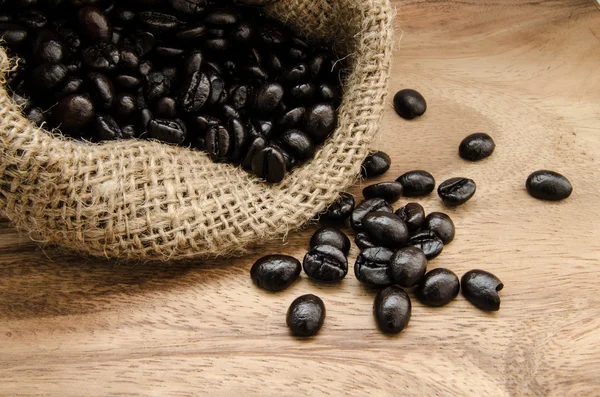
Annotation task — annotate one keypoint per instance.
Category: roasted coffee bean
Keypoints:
(413, 215)
(296, 75)
(71, 86)
(306, 315)
(329, 93)
(129, 60)
(126, 105)
(170, 73)
(375, 164)
(268, 97)
(192, 63)
(476, 147)
(163, 50)
(195, 92)
(36, 116)
(102, 90)
(290, 161)
(363, 241)
(230, 68)
(124, 15)
(145, 116)
(548, 185)
(340, 210)
(166, 108)
(325, 263)
(271, 36)
(71, 40)
(13, 35)
(5, 17)
(269, 164)
(218, 92)
(242, 33)
(145, 68)
(48, 47)
(409, 104)
(73, 113)
(239, 97)
(257, 144)
(302, 93)
(385, 229)
(141, 42)
(256, 74)
(298, 144)
(128, 82)
(291, 119)
(456, 191)
(101, 56)
(274, 63)
(201, 123)
(221, 17)
(49, 76)
(253, 57)
(169, 131)
(93, 24)
(275, 272)
(408, 266)
(481, 289)
(331, 236)
(392, 309)
(365, 207)
(297, 54)
(239, 139)
(265, 127)
(188, 7)
(159, 22)
(218, 143)
(33, 19)
(192, 33)
(373, 266)
(438, 287)
(389, 191)
(319, 121)
(107, 128)
(217, 44)
(227, 112)
(73, 67)
(428, 242)
(417, 183)
(23, 102)
(441, 225)
(320, 66)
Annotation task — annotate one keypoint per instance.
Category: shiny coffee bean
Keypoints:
(145, 68)
(385, 229)
(102, 90)
(428, 242)
(274, 63)
(296, 75)
(33, 19)
(320, 66)
(218, 143)
(331, 236)
(101, 56)
(548, 185)
(73, 113)
(271, 36)
(145, 116)
(275, 272)
(268, 97)
(389, 191)
(413, 215)
(392, 309)
(192, 63)
(188, 7)
(129, 60)
(216, 44)
(192, 33)
(340, 210)
(107, 128)
(365, 207)
(165, 108)
(298, 144)
(476, 147)
(72, 85)
(158, 22)
(128, 82)
(218, 91)
(408, 266)
(242, 33)
(222, 17)
(48, 47)
(438, 287)
(49, 76)
(93, 24)
(125, 106)
(227, 112)
(375, 164)
(36, 116)
(240, 97)
(417, 183)
(265, 127)
(329, 93)
(195, 92)
(269, 164)
(168, 51)
(409, 104)
(129, 132)
(325, 263)
(456, 191)
(363, 241)
(239, 139)
(13, 35)
(124, 15)
(373, 266)
(23, 102)
(481, 289)
(442, 225)
(256, 145)
(169, 131)
(306, 315)
(302, 93)
(201, 123)
(319, 121)
(141, 42)
(290, 119)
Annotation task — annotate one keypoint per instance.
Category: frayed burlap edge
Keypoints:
(146, 200)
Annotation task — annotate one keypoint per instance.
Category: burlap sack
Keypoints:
(147, 200)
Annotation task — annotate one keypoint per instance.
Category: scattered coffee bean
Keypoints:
(481, 289)
(365, 207)
(306, 315)
(275, 272)
(325, 263)
(476, 147)
(375, 164)
(409, 104)
(438, 287)
(428, 242)
(442, 225)
(385, 229)
(548, 185)
(389, 191)
(373, 266)
(456, 191)
(413, 215)
(408, 266)
(340, 210)
(392, 309)
(331, 236)
(417, 183)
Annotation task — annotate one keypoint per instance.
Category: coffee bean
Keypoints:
(36, 116)
(145, 116)
(456, 191)
(257, 145)
(375, 164)
(340, 210)
(128, 82)
(265, 127)
(319, 121)
(73, 113)
(218, 92)
(331, 236)
(188, 7)
(476, 147)
(441, 225)
(101, 56)
(275, 272)
(408, 266)
(169, 131)
(242, 33)
(124, 15)
(145, 68)
(201, 123)
(548, 185)
(221, 17)
(23, 102)
(126, 105)
(271, 36)
(129, 132)
(141, 42)
(295, 75)
(417, 183)
(298, 144)
(373, 266)
(239, 97)
(167, 51)
(363, 241)
(72, 85)
(269, 164)
(302, 93)
(329, 93)
(192, 63)
(325, 263)
(268, 97)
(102, 90)
(274, 63)
(385, 229)
(49, 76)
(48, 47)
(438, 287)
(306, 315)
(33, 19)
(389, 191)
(392, 309)
(166, 108)
(413, 215)
(428, 242)
(13, 35)
(320, 66)
(93, 24)
(71, 40)
(239, 139)
(216, 44)
(409, 104)
(129, 60)
(159, 22)
(291, 119)
(227, 112)
(218, 143)
(481, 289)
(107, 128)
(192, 33)
(195, 92)
(365, 207)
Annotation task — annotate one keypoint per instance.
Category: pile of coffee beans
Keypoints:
(200, 73)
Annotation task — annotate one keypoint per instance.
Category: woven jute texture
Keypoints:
(150, 201)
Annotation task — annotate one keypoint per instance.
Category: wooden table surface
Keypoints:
(525, 72)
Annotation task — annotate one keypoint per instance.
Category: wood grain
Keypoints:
(524, 71)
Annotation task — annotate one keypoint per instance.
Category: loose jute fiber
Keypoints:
(146, 200)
